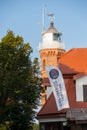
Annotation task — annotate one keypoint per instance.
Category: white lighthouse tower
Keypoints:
(50, 51)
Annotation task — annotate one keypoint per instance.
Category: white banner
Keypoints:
(58, 87)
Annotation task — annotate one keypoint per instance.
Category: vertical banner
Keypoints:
(58, 87)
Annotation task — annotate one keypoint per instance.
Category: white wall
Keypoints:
(79, 87)
(48, 42)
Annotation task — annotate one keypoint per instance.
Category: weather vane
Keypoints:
(51, 16)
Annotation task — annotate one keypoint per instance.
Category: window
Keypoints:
(55, 36)
(81, 93)
(85, 93)
(44, 64)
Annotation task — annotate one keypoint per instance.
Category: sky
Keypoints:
(24, 18)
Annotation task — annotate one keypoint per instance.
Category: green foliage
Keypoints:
(35, 126)
(19, 83)
(2, 127)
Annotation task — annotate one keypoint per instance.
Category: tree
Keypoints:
(35, 126)
(19, 83)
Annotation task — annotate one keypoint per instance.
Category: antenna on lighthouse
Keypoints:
(43, 17)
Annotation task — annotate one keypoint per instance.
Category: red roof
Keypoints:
(50, 109)
(74, 61)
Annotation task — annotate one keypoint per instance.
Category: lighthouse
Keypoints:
(50, 51)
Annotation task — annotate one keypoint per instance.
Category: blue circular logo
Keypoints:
(54, 74)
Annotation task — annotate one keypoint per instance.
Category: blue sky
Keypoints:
(24, 18)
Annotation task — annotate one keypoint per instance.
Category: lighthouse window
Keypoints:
(55, 36)
(44, 64)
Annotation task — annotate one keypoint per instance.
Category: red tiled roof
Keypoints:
(74, 61)
(49, 106)
(50, 109)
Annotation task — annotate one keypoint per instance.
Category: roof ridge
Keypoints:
(71, 51)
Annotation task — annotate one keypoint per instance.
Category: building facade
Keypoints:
(73, 65)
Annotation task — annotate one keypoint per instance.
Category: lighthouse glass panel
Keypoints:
(55, 36)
